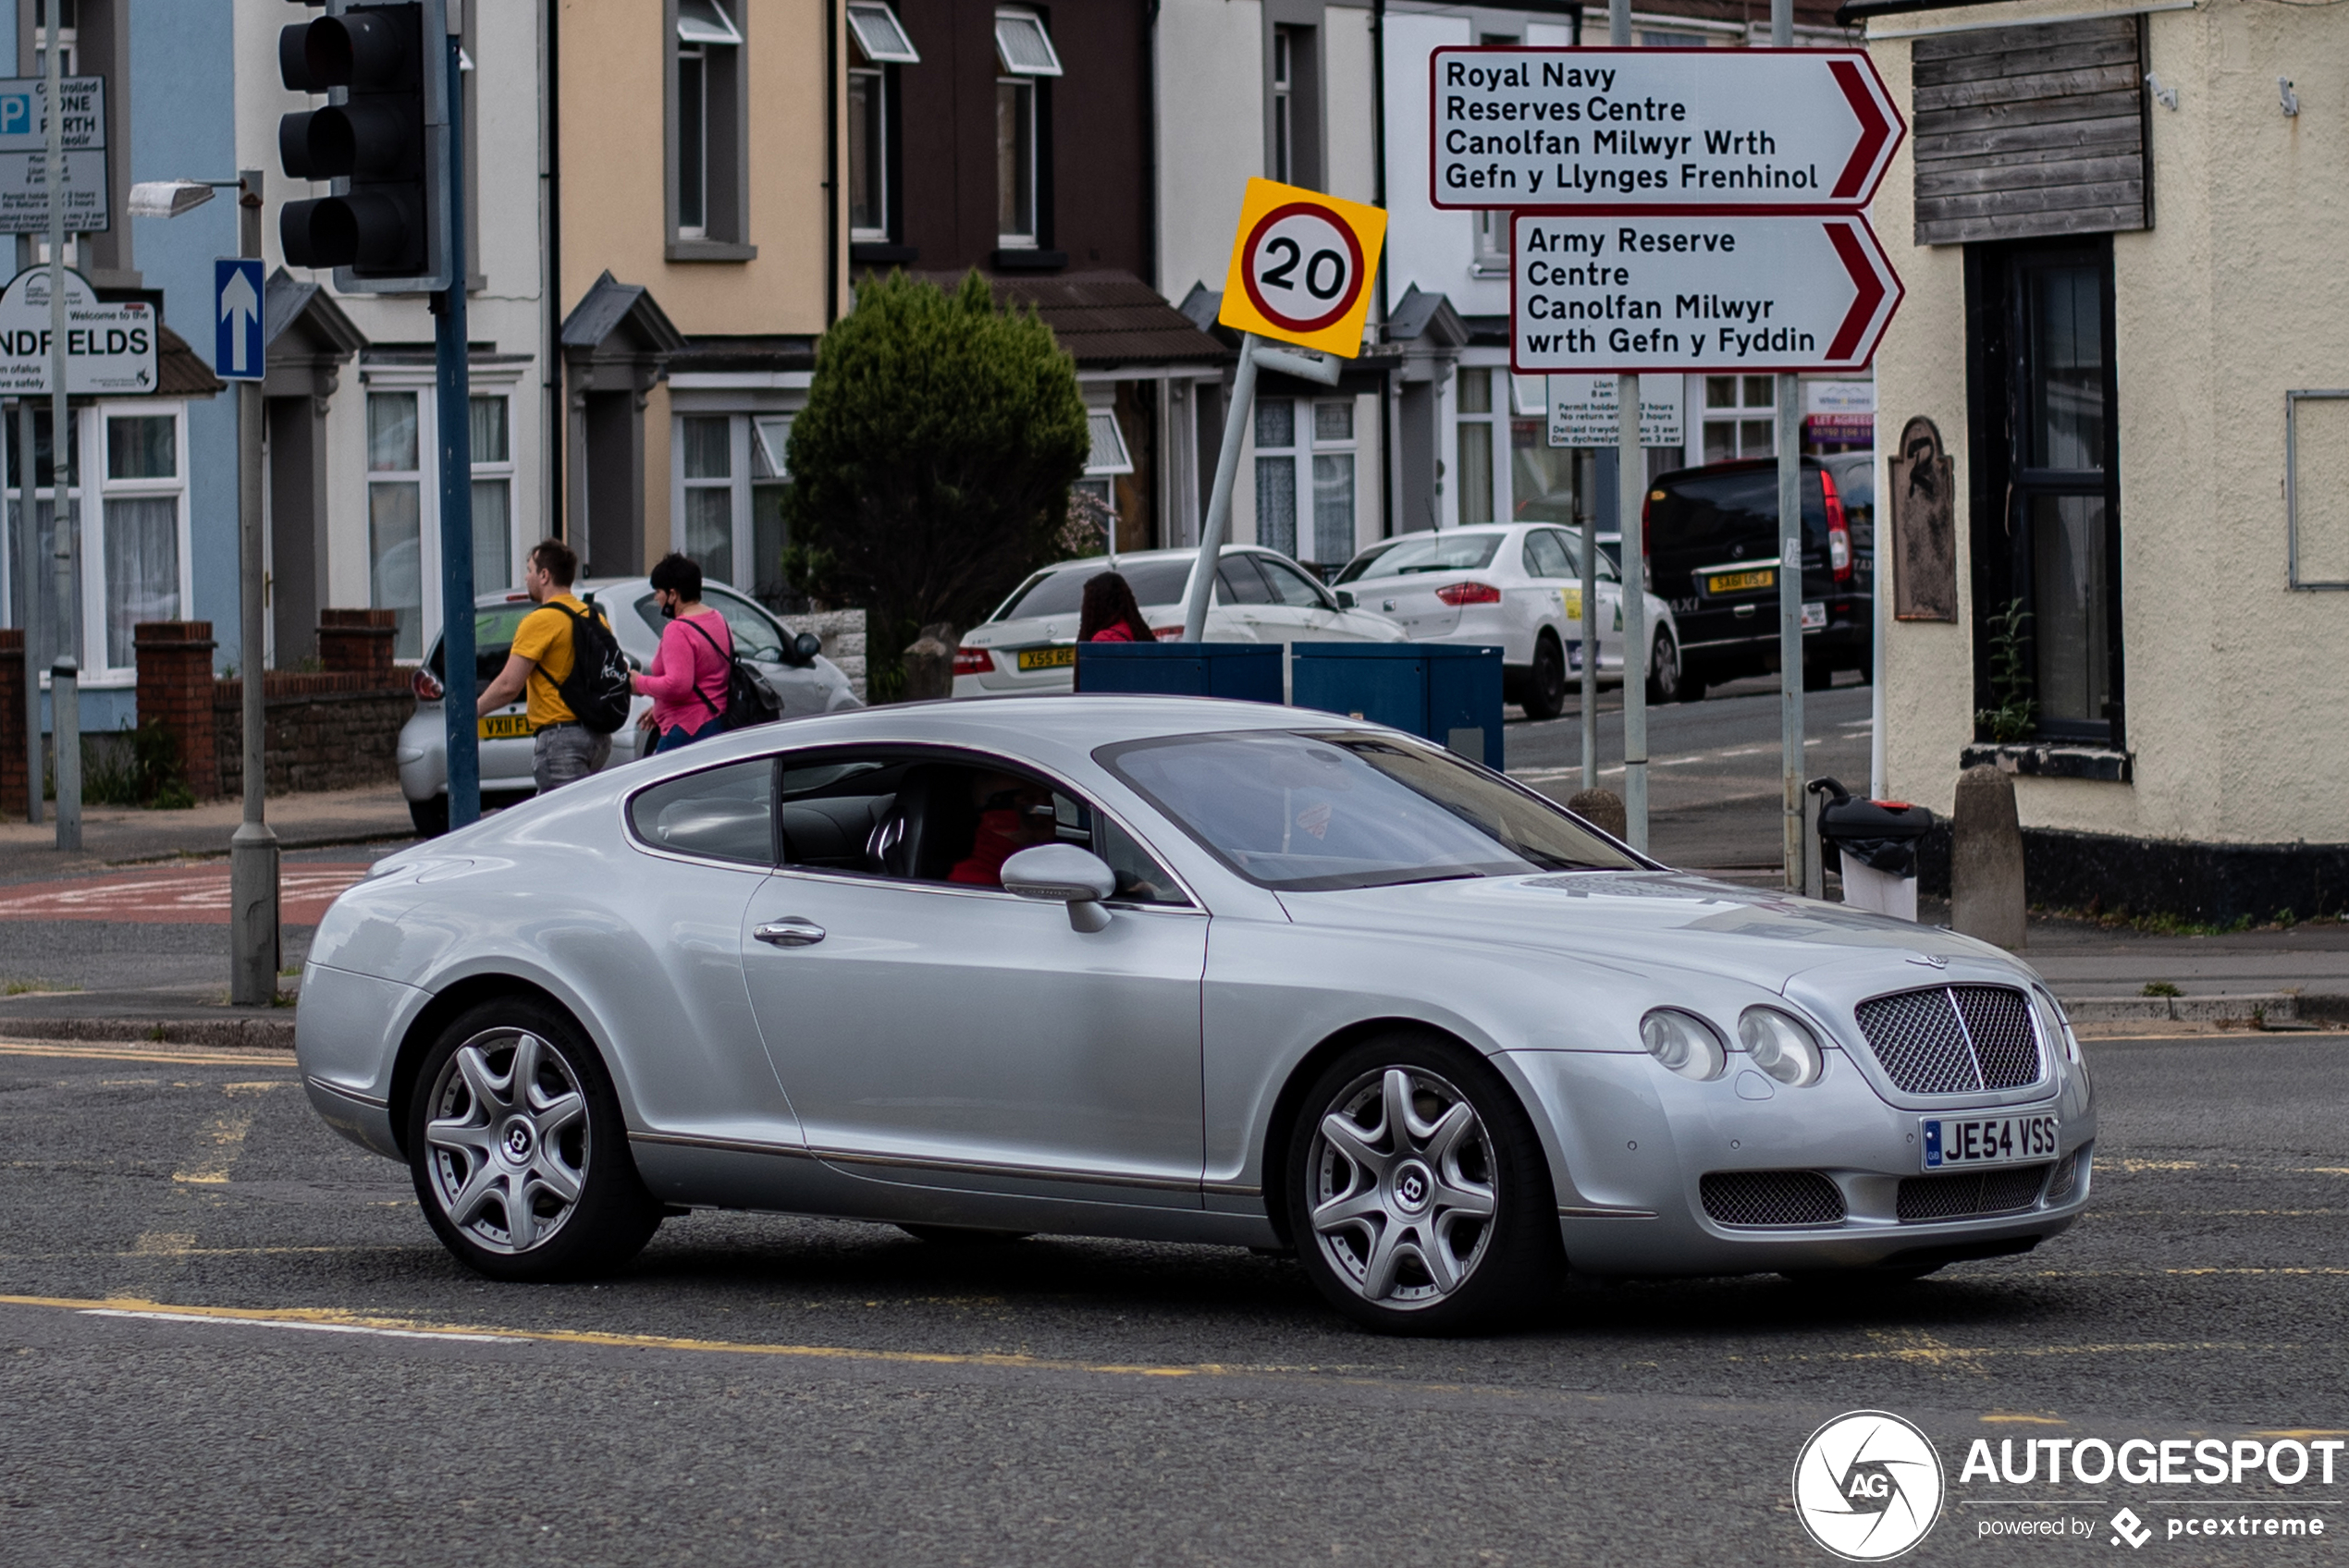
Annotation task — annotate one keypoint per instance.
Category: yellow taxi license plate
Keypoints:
(1045, 658)
(1739, 581)
(505, 727)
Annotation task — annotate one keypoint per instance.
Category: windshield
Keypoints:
(1158, 582)
(1305, 813)
(1434, 552)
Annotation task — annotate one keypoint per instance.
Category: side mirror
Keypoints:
(804, 648)
(1345, 598)
(1063, 874)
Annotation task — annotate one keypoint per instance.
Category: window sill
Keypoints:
(1483, 267)
(710, 250)
(882, 253)
(2051, 760)
(1027, 259)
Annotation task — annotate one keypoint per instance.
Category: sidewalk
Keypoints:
(113, 835)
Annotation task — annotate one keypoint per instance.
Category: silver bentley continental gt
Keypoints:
(1176, 970)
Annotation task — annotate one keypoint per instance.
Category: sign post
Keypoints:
(65, 711)
(1301, 269)
(239, 356)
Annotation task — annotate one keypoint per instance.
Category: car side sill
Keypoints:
(1604, 1212)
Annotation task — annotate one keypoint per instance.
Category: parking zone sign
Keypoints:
(1302, 267)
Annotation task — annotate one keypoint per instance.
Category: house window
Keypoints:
(68, 36)
(1107, 459)
(710, 493)
(728, 501)
(1475, 482)
(1294, 113)
(707, 147)
(144, 518)
(395, 517)
(2065, 517)
(493, 497)
(54, 609)
(881, 44)
(1741, 417)
(1024, 52)
(1305, 449)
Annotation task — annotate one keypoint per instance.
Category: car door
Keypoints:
(946, 1033)
(1317, 618)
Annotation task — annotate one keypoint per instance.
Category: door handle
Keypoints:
(790, 932)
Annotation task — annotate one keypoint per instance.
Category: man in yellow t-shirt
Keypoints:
(563, 750)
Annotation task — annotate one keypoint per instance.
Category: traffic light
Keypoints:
(382, 138)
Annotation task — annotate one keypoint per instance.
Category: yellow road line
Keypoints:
(130, 1051)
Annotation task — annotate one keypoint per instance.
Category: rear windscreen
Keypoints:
(1434, 552)
(1157, 582)
(1702, 519)
(493, 639)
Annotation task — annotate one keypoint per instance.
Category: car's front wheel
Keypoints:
(1418, 1196)
(518, 1148)
(1663, 668)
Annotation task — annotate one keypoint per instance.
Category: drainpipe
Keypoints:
(832, 161)
(558, 427)
(1149, 141)
(1388, 418)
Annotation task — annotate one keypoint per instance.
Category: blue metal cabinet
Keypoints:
(1249, 672)
(1446, 693)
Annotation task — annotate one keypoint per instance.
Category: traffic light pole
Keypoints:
(453, 383)
(253, 848)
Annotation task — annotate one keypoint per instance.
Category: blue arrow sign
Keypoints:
(238, 352)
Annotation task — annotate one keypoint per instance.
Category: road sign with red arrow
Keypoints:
(1659, 130)
(1734, 292)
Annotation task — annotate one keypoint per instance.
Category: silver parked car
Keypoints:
(1174, 969)
(804, 682)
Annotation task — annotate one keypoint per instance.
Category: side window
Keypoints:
(1544, 557)
(1238, 582)
(754, 634)
(944, 819)
(720, 813)
(1289, 586)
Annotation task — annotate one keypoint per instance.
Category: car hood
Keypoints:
(1655, 921)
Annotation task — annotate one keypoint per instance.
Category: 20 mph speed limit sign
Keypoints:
(1302, 267)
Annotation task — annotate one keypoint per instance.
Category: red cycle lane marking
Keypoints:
(178, 895)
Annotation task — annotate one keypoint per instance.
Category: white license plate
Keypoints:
(1814, 615)
(1968, 1143)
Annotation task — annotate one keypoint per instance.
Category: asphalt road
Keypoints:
(228, 1337)
(1714, 781)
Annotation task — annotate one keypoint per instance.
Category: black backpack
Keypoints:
(596, 689)
(748, 701)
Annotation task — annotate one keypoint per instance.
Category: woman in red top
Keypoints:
(1110, 613)
(689, 674)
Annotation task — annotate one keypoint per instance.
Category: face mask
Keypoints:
(668, 610)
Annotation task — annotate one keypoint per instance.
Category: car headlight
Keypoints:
(1780, 1047)
(1684, 1043)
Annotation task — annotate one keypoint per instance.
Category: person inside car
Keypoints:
(1014, 814)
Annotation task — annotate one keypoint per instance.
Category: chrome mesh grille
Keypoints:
(1999, 1019)
(1953, 1039)
(1771, 1197)
(1970, 1193)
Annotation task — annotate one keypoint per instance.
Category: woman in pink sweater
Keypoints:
(687, 680)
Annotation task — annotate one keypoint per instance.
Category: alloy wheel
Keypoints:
(1405, 1187)
(507, 1134)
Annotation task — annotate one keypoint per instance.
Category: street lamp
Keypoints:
(252, 851)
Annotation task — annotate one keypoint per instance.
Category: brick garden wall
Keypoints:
(12, 795)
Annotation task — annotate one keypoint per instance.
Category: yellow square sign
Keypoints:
(1302, 267)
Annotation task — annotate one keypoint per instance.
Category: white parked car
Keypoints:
(804, 682)
(1519, 585)
(1029, 645)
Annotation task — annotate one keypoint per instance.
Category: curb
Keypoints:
(248, 1034)
(2275, 1007)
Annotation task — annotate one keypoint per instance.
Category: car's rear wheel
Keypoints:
(518, 1149)
(1545, 683)
(1663, 668)
(1416, 1193)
